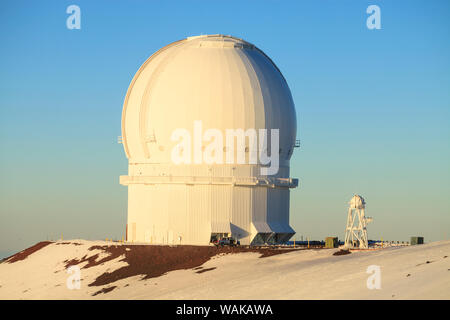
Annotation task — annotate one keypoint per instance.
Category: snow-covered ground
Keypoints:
(303, 274)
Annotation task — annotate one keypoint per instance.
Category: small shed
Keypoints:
(331, 242)
(416, 240)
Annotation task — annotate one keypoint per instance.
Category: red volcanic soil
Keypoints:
(105, 290)
(25, 253)
(154, 261)
(205, 270)
(73, 243)
(341, 252)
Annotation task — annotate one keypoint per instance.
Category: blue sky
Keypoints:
(373, 109)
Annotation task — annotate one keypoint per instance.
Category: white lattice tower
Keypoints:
(356, 230)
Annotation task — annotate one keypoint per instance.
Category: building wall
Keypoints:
(160, 213)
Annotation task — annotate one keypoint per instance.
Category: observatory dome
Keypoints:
(223, 81)
(226, 84)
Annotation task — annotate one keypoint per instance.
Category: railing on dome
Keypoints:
(119, 139)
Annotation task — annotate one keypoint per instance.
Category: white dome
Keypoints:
(225, 82)
(357, 202)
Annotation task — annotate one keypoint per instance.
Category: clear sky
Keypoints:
(373, 109)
